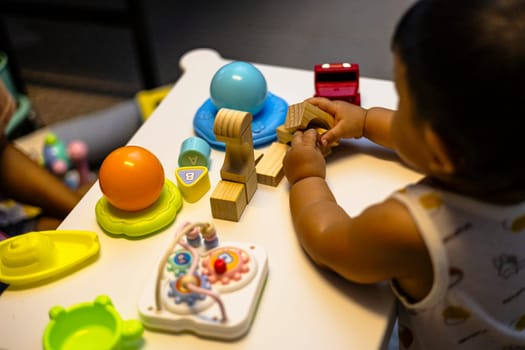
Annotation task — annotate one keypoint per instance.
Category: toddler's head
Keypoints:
(465, 69)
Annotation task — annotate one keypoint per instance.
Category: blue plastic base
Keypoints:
(264, 123)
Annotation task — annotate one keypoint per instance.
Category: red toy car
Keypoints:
(338, 81)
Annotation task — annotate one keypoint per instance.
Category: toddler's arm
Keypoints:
(352, 121)
(25, 181)
(381, 243)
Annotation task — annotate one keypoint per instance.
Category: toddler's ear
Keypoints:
(441, 162)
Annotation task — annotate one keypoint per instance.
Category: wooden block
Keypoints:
(251, 185)
(270, 168)
(284, 135)
(232, 126)
(228, 200)
(238, 174)
(305, 115)
(257, 155)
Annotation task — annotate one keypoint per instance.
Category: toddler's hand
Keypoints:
(349, 119)
(304, 159)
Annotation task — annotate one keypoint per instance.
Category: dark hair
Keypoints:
(465, 64)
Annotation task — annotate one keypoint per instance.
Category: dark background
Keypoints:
(70, 65)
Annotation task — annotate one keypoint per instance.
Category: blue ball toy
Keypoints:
(240, 86)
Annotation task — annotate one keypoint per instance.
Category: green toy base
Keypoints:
(91, 325)
(143, 222)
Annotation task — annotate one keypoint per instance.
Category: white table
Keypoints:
(302, 307)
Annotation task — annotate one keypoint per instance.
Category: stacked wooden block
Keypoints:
(243, 167)
(238, 177)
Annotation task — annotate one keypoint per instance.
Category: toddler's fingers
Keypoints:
(310, 137)
(297, 139)
(325, 104)
(328, 138)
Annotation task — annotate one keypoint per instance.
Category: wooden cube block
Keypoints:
(228, 200)
(251, 185)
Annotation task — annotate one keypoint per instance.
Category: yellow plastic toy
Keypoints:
(35, 257)
(148, 100)
(193, 182)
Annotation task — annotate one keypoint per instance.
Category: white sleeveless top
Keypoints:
(477, 249)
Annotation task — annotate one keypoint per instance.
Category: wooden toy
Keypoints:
(302, 116)
(239, 178)
(193, 182)
(228, 200)
(338, 81)
(270, 167)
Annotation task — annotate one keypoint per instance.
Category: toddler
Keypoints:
(452, 245)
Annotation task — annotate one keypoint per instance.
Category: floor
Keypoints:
(73, 68)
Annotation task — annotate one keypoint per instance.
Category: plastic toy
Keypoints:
(239, 178)
(241, 86)
(55, 155)
(68, 162)
(193, 182)
(36, 257)
(77, 152)
(138, 199)
(23, 105)
(194, 151)
(131, 178)
(148, 100)
(338, 81)
(91, 325)
(204, 287)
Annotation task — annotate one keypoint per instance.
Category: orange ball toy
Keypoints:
(131, 178)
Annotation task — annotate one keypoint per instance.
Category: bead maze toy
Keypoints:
(241, 86)
(137, 199)
(238, 175)
(91, 325)
(203, 286)
(37, 257)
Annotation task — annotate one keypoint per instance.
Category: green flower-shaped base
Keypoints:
(143, 222)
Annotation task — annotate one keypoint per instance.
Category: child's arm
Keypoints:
(352, 121)
(25, 181)
(381, 243)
